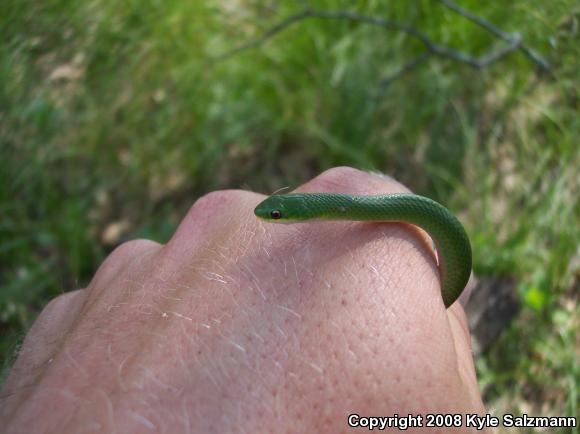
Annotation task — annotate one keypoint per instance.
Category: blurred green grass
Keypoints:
(114, 118)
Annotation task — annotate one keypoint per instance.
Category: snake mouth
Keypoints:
(263, 213)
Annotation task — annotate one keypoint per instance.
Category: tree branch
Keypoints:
(270, 33)
(412, 64)
(514, 42)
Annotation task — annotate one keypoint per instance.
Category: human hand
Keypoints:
(237, 325)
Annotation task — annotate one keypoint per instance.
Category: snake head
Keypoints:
(282, 208)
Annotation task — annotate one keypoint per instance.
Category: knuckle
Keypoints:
(342, 175)
(221, 210)
(60, 300)
(212, 200)
(336, 179)
(54, 310)
(130, 249)
(123, 255)
(350, 180)
(218, 203)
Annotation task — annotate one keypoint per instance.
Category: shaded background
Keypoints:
(115, 116)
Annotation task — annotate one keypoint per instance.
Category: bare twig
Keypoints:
(434, 48)
(482, 22)
(412, 64)
(514, 41)
(273, 31)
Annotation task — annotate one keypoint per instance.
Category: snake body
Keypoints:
(451, 241)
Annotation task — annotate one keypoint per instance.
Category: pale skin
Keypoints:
(239, 325)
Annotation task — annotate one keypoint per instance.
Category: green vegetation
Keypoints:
(115, 116)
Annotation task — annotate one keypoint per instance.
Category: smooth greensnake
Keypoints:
(447, 233)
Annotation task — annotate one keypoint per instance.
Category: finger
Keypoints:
(44, 337)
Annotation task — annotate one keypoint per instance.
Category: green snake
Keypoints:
(451, 241)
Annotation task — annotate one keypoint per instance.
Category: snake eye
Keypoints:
(275, 214)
